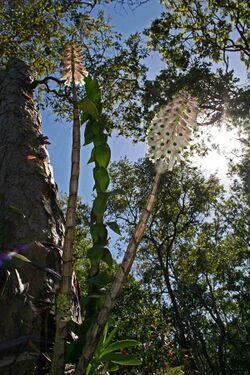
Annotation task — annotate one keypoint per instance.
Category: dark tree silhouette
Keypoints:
(30, 215)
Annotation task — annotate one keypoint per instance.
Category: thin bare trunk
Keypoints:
(120, 277)
(65, 294)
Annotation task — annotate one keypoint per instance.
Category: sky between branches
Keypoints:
(127, 21)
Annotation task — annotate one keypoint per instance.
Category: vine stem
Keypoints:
(63, 313)
(119, 280)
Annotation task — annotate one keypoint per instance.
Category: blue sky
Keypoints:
(127, 22)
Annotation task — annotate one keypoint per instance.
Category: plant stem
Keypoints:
(63, 313)
(120, 277)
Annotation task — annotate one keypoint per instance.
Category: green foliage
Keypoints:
(109, 354)
(88, 107)
(99, 256)
(194, 261)
(102, 155)
(216, 92)
(114, 226)
(32, 31)
(189, 242)
(201, 28)
(101, 177)
(62, 306)
(82, 242)
(96, 133)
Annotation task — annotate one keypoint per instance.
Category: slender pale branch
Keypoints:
(63, 313)
(120, 277)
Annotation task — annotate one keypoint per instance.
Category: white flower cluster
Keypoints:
(72, 62)
(171, 130)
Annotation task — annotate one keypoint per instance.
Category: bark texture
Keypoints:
(26, 182)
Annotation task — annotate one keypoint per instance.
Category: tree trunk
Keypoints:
(26, 183)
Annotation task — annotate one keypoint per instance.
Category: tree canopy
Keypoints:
(185, 307)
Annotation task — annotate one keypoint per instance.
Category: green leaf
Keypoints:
(102, 155)
(101, 280)
(100, 139)
(84, 117)
(88, 133)
(122, 359)
(110, 336)
(107, 257)
(89, 107)
(98, 232)
(113, 368)
(105, 332)
(99, 204)
(73, 351)
(101, 178)
(15, 210)
(97, 127)
(22, 258)
(88, 369)
(114, 226)
(123, 344)
(92, 156)
(96, 253)
(93, 91)
(93, 299)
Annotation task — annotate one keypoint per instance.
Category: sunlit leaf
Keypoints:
(21, 257)
(102, 155)
(89, 107)
(93, 91)
(123, 344)
(99, 204)
(122, 359)
(101, 178)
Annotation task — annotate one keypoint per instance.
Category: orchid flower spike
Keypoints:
(72, 67)
(171, 130)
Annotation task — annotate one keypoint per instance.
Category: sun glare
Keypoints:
(224, 146)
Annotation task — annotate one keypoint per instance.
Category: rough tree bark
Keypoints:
(26, 182)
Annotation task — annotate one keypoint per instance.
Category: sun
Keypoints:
(224, 145)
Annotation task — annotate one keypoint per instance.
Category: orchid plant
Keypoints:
(168, 136)
(73, 74)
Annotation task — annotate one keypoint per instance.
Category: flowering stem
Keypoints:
(120, 277)
(63, 312)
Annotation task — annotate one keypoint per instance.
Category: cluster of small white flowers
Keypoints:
(171, 130)
(72, 57)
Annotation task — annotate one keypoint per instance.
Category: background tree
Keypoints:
(187, 257)
(37, 33)
(202, 28)
(28, 28)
